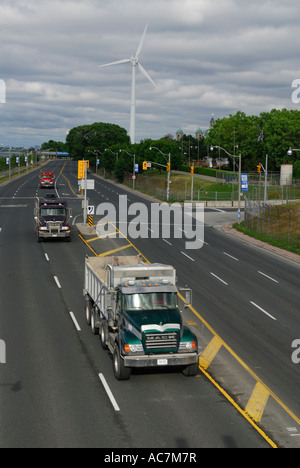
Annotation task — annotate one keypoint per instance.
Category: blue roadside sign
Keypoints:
(245, 184)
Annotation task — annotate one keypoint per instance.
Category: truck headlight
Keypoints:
(134, 348)
(188, 346)
(65, 228)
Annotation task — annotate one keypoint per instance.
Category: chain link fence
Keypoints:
(280, 222)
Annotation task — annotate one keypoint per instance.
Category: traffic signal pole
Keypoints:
(192, 188)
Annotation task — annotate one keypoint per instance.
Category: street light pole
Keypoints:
(133, 173)
(290, 151)
(168, 170)
(240, 175)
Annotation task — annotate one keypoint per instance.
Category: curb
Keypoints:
(228, 229)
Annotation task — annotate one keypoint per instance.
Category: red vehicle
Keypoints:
(47, 180)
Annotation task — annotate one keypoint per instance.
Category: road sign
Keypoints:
(81, 168)
(91, 210)
(89, 184)
(244, 180)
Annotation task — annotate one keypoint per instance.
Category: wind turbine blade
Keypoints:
(142, 42)
(118, 62)
(142, 69)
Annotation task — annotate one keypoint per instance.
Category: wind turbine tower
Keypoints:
(135, 63)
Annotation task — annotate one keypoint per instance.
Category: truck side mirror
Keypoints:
(188, 296)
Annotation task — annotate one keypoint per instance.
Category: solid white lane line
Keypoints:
(220, 279)
(75, 321)
(269, 277)
(57, 282)
(262, 310)
(47, 258)
(233, 258)
(109, 392)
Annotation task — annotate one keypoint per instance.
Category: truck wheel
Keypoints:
(88, 310)
(103, 334)
(191, 371)
(95, 330)
(120, 371)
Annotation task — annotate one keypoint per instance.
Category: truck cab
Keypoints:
(52, 219)
(47, 179)
(134, 308)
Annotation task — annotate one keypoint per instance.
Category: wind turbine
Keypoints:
(135, 63)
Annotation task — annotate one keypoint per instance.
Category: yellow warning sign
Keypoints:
(81, 168)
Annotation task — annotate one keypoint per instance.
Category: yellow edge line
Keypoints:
(105, 254)
(61, 172)
(245, 365)
(83, 240)
(240, 410)
(131, 244)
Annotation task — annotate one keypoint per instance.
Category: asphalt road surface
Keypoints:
(57, 387)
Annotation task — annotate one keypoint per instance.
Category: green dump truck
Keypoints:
(134, 308)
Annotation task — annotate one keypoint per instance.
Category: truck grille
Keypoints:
(54, 227)
(161, 341)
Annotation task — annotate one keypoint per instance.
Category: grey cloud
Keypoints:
(207, 56)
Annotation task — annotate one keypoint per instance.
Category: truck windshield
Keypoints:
(151, 301)
(53, 212)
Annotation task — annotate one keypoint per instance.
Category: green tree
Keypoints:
(52, 145)
(270, 133)
(281, 129)
(95, 137)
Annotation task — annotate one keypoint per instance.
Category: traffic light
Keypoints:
(168, 167)
(258, 168)
(192, 170)
(145, 166)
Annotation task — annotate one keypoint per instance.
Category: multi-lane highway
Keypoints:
(57, 387)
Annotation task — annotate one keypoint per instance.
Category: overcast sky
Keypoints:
(206, 57)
